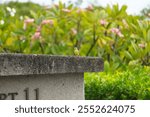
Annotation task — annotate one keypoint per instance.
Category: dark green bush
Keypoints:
(131, 84)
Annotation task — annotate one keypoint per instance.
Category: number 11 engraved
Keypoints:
(36, 93)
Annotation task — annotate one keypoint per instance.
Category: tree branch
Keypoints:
(94, 40)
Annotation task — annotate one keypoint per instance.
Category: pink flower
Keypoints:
(120, 34)
(26, 22)
(51, 22)
(66, 10)
(90, 8)
(103, 22)
(142, 45)
(36, 35)
(73, 31)
(38, 29)
(117, 32)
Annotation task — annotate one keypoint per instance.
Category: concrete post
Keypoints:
(43, 77)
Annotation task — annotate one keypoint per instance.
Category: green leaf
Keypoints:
(33, 14)
(106, 66)
(19, 32)
(128, 55)
(148, 35)
(144, 34)
(123, 9)
(134, 46)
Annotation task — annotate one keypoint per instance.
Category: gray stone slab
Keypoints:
(44, 77)
(42, 87)
(20, 64)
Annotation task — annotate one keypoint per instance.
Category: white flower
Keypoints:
(24, 26)
(2, 22)
(8, 9)
(13, 10)
(21, 17)
(12, 14)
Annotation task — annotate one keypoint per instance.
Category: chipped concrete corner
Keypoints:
(44, 77)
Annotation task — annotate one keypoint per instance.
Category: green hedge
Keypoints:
(131, 84)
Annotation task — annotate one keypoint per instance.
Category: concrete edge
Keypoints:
(22, 64)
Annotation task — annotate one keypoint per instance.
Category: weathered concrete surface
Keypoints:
(51, 87)
(44, 77)
(19, 64)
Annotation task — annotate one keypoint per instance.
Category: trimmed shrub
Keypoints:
(131, 84)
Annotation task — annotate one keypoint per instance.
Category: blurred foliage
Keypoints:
(120, 39)
(131, 84)
(23, 9)
(146, 12)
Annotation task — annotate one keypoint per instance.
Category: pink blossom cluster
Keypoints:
(103, 22)
(90, 8)
(27, 22)
(73, 31)
(117, 32)
(51, 22)
(37, 33)
(142, 45)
